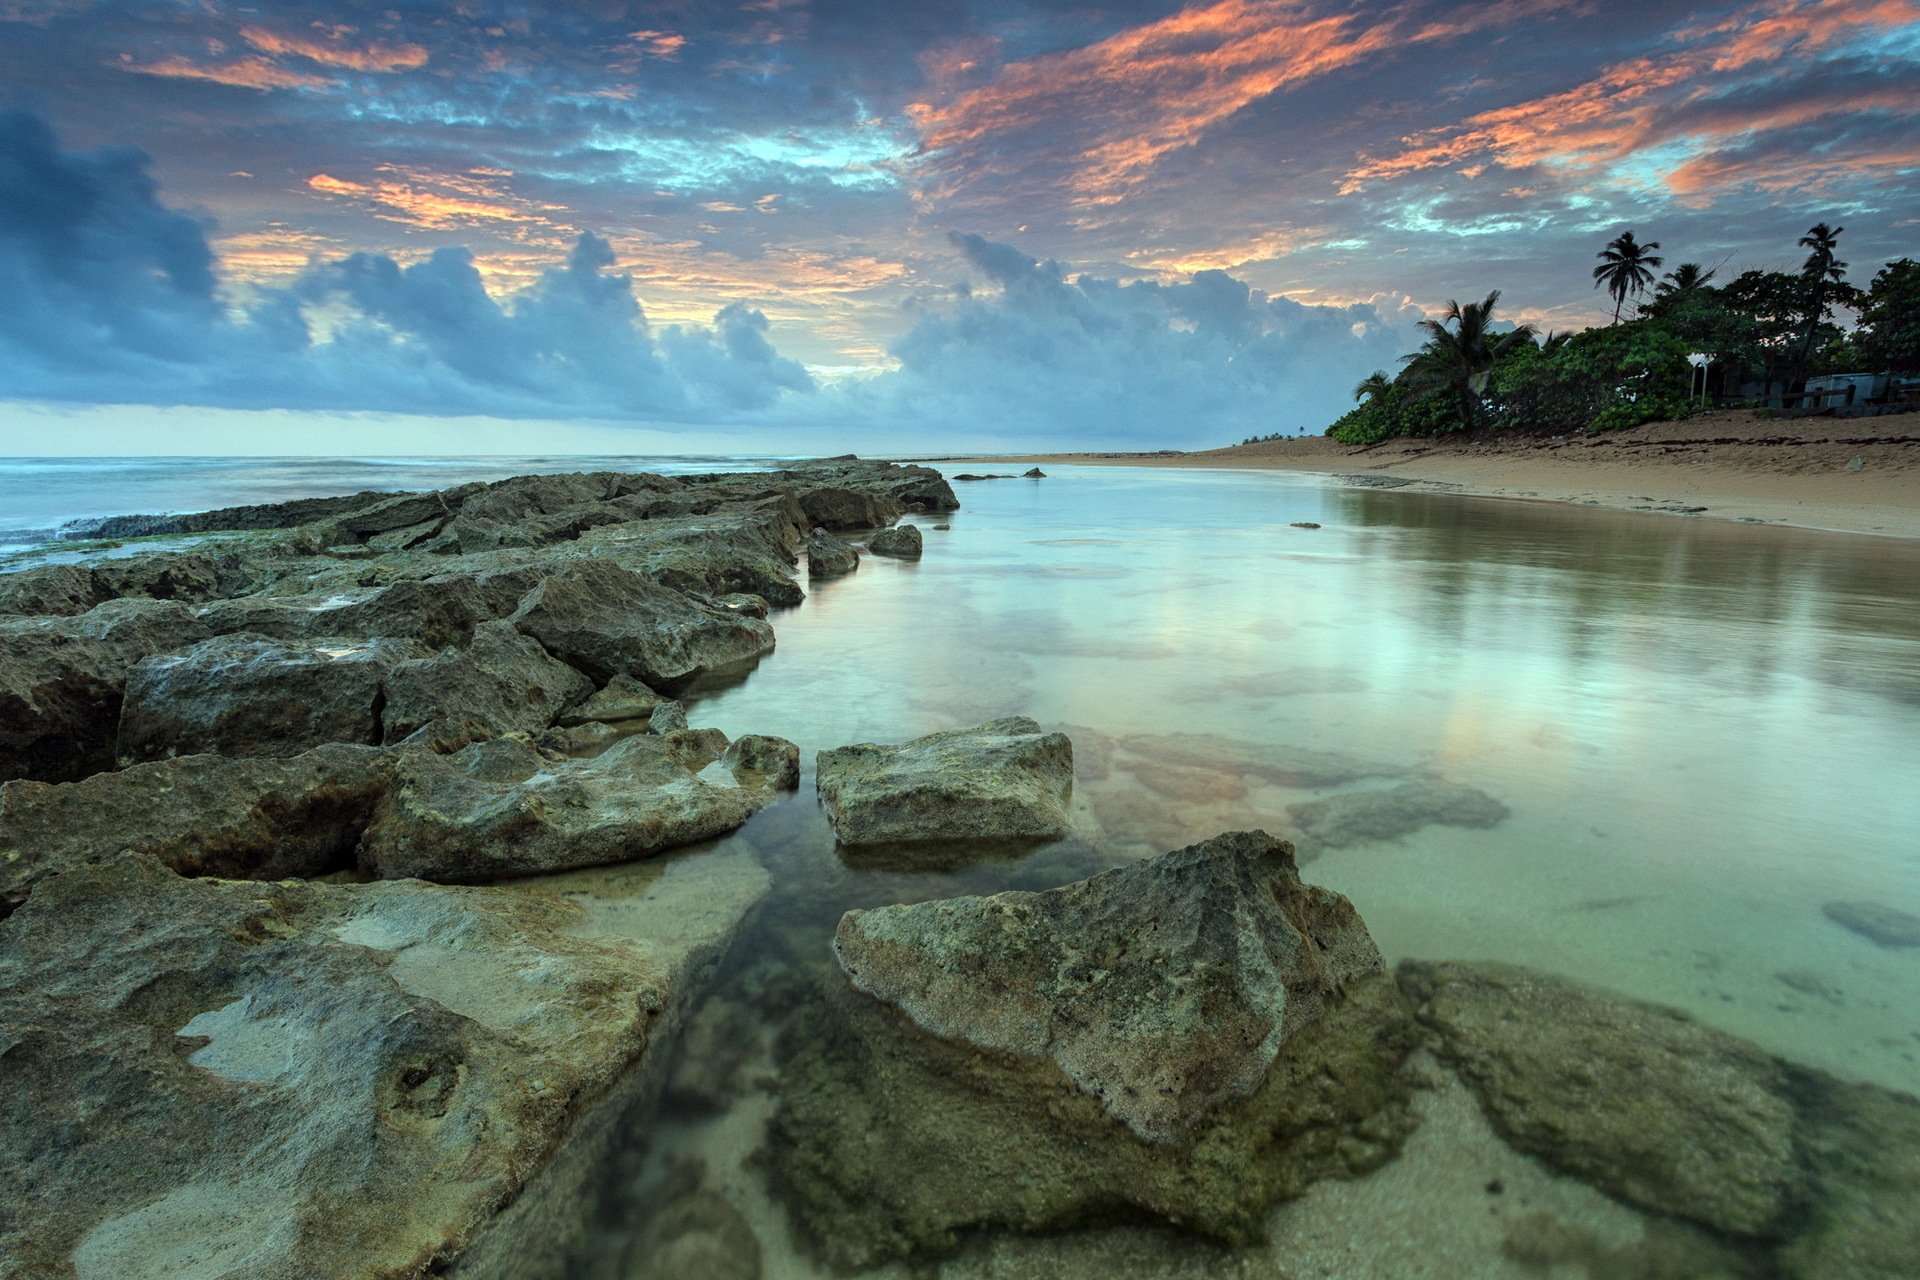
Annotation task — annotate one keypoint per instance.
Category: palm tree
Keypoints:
(1375, 385)
(1820, 271)
(1684, 278)
(1459, 359)
(1625, 267)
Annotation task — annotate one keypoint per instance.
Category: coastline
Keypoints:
(1730, 465)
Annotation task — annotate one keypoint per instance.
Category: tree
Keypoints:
(1889, 333)
(1685, 278)
(1626, 267)
(1821, 272)
(1457, 361)
(1373, 386)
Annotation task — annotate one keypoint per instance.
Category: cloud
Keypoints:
(331, 49)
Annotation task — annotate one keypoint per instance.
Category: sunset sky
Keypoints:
(967, 221)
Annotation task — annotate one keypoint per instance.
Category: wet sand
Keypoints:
(1858, 475)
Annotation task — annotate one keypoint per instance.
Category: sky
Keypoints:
(803, 225)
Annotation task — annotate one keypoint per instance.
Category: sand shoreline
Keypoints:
(1840, 475)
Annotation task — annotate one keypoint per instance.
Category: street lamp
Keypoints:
(1700, 360)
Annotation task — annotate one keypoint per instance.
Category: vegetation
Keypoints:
(1764, 330)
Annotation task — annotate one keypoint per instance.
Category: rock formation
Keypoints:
(1002, 780)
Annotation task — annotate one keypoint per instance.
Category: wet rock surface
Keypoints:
(503, 679)
(902, 542)
(830, 557)
(1364, 817)
(1002, 780)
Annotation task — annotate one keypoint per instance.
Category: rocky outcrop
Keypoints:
(62, 681)
(502, 679)
(606, 622)
(1363, 817)
(1188, 1039)
(50, 591)
(434, 611)
(829, 557)
(1002, 780)
(903, 542)
(219, 1078)
(200, 815)
(624, 699)
(246, 695)
(832, 507)
(502, 809)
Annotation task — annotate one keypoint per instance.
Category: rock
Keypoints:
(1862, 1146)
(401, 539)
(605, 621)
(1359, 817)
(200, 815)
(50, 590)
(501, 809)
(1199, 973)
(62, 681)
(188, 577)
(1882, 925)
(1305, 524)
(902, 541)
(624, 698)
(503, 679)
(1002, 780)
(435, 611)
(743, 602)
(1644, 1102)
(997, 475)
(248, 695)
(1033, 473)
(668, 717)
(689, 1233)
(1161, 1019)
(836, 508)
(829, 557)
(224, 1078)
(714, 554)
(723, 1038)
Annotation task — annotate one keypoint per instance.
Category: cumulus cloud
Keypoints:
(113, 297)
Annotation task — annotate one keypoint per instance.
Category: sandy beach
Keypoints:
(1857, 475)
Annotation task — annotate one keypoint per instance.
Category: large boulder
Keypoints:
(709, 555)
(1190, 1039)
(249, 695)
(832, 507)
(830, 557)
(62, 681)
(606, 621)
(902, 542)
(1002, 780)
(200, 815)
(502, 679)
(228, 1078)
(1642, 1101)
(500, 808)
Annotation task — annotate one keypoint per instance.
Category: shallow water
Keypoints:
(1700, 733)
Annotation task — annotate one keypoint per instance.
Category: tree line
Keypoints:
(1768, 329)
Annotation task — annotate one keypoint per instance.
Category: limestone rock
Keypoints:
(1642, 1101)
(200, 815)
(1162, 989)
(62, 681)
(902, 542)
(1878, 923)
(502, 679)
(500, 809)
(223, 1078)
(1360, 817)
(624, 698)
(668, 717)
(1002, 780)
(605, 621)
(248, 695)
(829, 557)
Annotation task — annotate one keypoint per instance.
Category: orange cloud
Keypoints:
(1818, 174)
(1776, 29)
(440, 201)
(333, 52)
(272, 253)
(244, 73)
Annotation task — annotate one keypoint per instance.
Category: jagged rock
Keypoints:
(1642, 1101)
(1033, 473)
(668, 717)
(50, 590)
(223, 1078)
(1360, 817)
(1002, 780)
(62, 681)
(188, 577)
(829, 557)
(248, 695)
(434, 611)
(743, 602)
(501, 809)
(203, 815)
(502, 679)
(902, 541)
(624, 698)
(403, 539)
(605, 621)
(711, 555)
(1207, 999)
(836, 508)
(406, 511)
(1878, 923)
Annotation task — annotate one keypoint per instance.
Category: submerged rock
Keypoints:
(1361, 817)
(903, 542)
(63, 680)
(502, 679)
(829, 557)
(605, 621)
(1188, 999)
(1644, 1102)
(1002, 780)
(1878, 923)
(223, 1078)
(247, 695)
(200, 815)
(500, 808)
